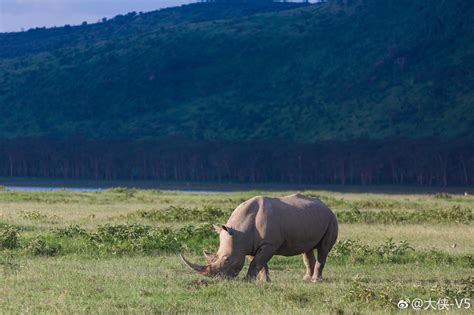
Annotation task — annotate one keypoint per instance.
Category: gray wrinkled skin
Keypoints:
(262, 227)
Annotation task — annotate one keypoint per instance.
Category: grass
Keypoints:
(117, 251)
(161, 284)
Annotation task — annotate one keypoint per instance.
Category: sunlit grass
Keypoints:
(163, 284)
(49, 271)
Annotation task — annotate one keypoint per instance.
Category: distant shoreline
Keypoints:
(33, 184)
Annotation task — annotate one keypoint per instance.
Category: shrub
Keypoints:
(120, 232)
(197, 238)
(130, 238)
(455, 214)
(9, 236)
(391, 252)
(361, 291)
(121, 239)
(179, 214)
(443, 196)
(39, 246)
(33, 215)
(71, 231)
(38, 216)
(388, 295)
(126, 192)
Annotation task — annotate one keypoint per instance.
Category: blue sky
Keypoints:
(18, 14)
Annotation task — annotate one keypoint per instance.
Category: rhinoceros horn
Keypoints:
(199, 268)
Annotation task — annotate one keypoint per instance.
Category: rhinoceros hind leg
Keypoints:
(309, 262)
(318, 268)
(323, 249)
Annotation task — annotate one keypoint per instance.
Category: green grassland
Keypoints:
(116, 251)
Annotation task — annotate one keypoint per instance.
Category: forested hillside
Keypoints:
(341, 69)
(305, 76)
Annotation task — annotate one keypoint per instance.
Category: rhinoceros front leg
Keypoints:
(309, 262)
(260, 260)
(264, 274)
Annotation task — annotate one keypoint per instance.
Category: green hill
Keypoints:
(237, 72)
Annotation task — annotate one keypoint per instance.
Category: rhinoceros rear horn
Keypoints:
(210, 257)
(199, 268)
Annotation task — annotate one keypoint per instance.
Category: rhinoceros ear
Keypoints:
(219, 227)
(228, 229)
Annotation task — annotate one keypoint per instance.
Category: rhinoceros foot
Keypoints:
(315, 280)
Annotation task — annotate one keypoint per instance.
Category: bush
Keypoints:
(130, 239)
(71, 231)
(41, 247)
(137, 238)
(126, 192)
(9, 236)
(391, 252)
(388, 295)
(179, 214)
(443, 196)
(361, 291)
(463, 290)
(120, 232)
(455, 214)
(33, 215)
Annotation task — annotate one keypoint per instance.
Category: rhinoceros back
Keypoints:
(295, 223)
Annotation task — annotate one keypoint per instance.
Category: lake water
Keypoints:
(210, 188)
(45, 188)
(52, 188)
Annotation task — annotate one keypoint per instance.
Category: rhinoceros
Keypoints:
(264, 226)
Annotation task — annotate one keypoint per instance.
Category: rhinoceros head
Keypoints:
(229, 259)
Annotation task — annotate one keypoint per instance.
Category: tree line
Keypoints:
(361, 162)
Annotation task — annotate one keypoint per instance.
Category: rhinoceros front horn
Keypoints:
(199, 268)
